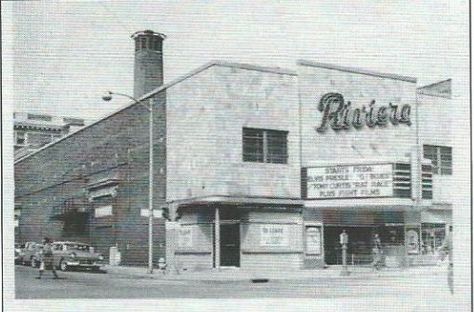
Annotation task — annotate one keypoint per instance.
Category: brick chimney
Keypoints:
(148, 73)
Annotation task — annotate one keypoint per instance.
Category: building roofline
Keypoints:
(161, 88)
(433, 84)
(356, 71)
(275, 70)
(425, 90)
(32, 125)
(434, 95)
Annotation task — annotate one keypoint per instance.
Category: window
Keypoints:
(20, 138)
(156, 45)
(441, 158)
(143, 42)
(38, 139)
(269, 146)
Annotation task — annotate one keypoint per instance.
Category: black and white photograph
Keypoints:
(236, 156)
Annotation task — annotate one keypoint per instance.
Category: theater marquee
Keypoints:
(349, 181)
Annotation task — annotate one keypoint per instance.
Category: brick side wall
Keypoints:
(116, 147)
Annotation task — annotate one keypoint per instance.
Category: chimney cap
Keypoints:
(148, 32)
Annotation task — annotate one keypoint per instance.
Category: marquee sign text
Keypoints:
(339, 115)
(350, 181)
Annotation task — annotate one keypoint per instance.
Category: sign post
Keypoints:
(344, 240)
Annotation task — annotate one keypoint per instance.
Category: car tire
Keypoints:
(63, 266)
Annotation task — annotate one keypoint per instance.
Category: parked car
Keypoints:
(19, 253)
(31, 254)
(68, 255)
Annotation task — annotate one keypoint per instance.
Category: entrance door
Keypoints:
(360, 239)
(230, 244)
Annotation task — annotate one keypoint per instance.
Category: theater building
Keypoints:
(260, 168)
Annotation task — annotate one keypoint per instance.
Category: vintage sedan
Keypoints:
(30, 254)
(68, 255)
(19, 253)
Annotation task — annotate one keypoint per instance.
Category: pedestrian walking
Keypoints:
(446, 249)
(46, 256)
(377, 252)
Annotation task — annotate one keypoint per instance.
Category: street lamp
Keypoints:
(149, 107)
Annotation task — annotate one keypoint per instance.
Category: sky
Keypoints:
(65, 54)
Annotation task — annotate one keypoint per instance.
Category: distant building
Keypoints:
(32, 131)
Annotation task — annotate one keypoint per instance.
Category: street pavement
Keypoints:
(425, 284)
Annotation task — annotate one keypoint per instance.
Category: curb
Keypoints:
(125, 272)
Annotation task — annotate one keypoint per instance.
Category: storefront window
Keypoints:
(433, 235)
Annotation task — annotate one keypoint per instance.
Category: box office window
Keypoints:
(441, 158)
(265, 146)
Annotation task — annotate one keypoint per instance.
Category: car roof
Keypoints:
(68, 242)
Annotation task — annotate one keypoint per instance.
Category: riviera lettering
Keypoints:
(340, 116)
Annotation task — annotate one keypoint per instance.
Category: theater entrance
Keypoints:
(360, 243)
(226, 237)
(359, 249)
(230, 245)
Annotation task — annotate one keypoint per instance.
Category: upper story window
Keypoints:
(20, 138)
(265, 146)
(441, 158)
(39, 139)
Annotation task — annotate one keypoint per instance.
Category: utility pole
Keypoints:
(149, 107)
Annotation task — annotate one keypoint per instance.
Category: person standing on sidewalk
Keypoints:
(447, 249)
(377, 252)
(47, 258)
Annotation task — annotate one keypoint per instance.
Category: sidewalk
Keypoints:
(236, 274)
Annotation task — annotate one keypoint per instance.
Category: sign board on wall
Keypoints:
(185, 237)
(313, 240)
(274, 235)
(350, 181)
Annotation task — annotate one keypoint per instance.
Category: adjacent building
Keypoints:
(32, 131)
(259, 168)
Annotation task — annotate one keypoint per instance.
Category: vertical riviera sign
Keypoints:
(350, 181)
